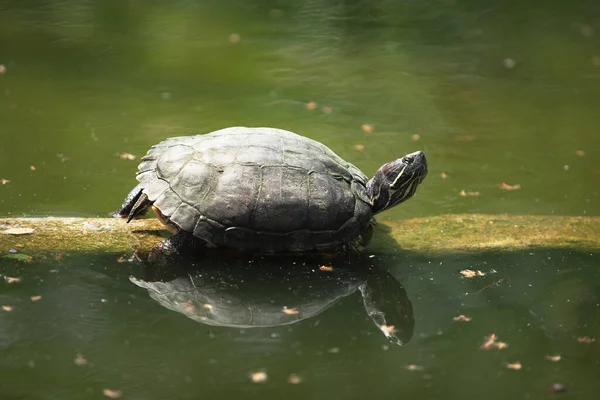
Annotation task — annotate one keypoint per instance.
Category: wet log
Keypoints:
(438, 234)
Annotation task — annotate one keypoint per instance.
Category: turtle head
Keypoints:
(397, 181)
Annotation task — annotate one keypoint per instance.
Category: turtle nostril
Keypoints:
(408, 159)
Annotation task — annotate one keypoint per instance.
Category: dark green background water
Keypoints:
(504, 91)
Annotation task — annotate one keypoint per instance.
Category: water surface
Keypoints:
(493, 92)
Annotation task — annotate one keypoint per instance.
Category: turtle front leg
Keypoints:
(182, 244)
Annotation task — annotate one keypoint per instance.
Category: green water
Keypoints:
(496, 91)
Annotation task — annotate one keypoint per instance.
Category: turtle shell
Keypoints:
(257, 188)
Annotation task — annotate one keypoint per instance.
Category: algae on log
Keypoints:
(439, 234)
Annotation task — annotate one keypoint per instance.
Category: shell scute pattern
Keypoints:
(259, 188)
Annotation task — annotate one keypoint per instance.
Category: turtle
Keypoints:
(271, 292)
(265, 190)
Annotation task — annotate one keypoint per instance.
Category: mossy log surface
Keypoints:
(439, 234)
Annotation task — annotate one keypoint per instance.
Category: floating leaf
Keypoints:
(580, 153)
(10, 279)
(558, 388)
(415, 137)
(506, 186)
(388, 330)
(492, 342)
(359, 147)
(516, 366)
(80, 360)
(290, 311)
(258, 376)
(326, 268)
(311, 105)
(553, 358)
(126, 156)
(443, 175)
(294, 379)
(586, 340)
(462, 318)
(7, 308)
(4, 181)
(469, 273)
(464, 194)
(367, 128)
(36, 298)
(112, 394)
(509, 63)
(235, 38)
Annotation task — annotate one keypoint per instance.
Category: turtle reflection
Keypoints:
(277, 292)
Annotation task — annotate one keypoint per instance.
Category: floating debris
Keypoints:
(464, 194)
(580, 153)
(553, 358)
(36, 298)
(80, 360)
(18, 231)
(492, 342)
(294, 379)
(414, 367)
(258, 376)
(367, 128)
(7, 308)
(415, 137)
(112, 394)
(469, 273)
(566, 167)
(10, 279)
(311, 105)
(327, 109)
(506, 186)
(2, 68)
(388, 330)
(516, 366)
(586, 340)
(359, 147)
(443, 175)
(558, 388)
(126, 156)
(509, 63)
(235, 38)
(290, 311)
(4, 181)
(462, 317)
(326, 268)
(334, 350)
(32, 167)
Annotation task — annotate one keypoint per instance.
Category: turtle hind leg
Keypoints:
(183, 244)
(135, 204)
